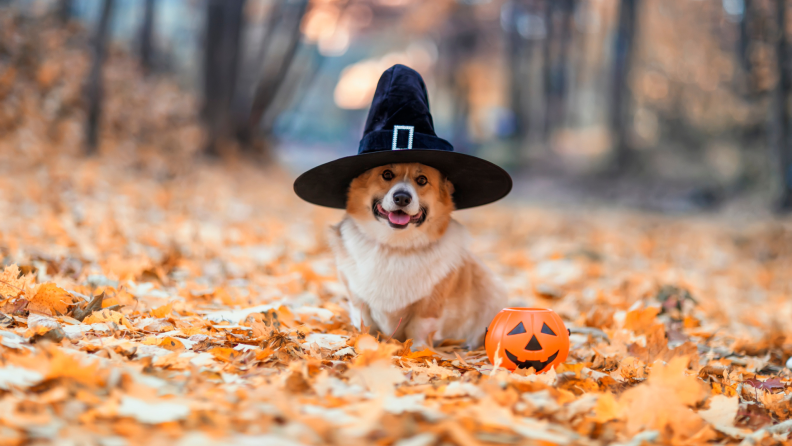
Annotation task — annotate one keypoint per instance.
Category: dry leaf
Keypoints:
(67, 366)
(10, 282)
(607, 408)
(50, 300)
(225, 354)
(722, 414)
(108, 316)
(170, 343)
(770, 384)
(663, 402)
(425, 353)
(163, 311)
(641, 320)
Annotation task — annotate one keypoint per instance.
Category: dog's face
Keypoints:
(401, 204)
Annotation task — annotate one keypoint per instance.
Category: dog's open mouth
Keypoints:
(399, 219)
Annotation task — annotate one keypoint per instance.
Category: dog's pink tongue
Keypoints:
(398, 219)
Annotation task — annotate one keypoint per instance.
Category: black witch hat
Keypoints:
(399, 129)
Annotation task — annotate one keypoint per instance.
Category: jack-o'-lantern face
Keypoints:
(528, 337)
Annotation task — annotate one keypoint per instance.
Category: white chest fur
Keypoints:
(388, 279)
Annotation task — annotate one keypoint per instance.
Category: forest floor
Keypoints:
(222, 321)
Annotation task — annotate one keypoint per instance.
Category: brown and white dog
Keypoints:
(405, 261)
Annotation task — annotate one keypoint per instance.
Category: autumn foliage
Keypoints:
(148, 298)
(206, 307)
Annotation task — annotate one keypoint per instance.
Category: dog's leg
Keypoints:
(358, 309)
(359, 312)
(423, 331)
(355, 314)
(426, 324)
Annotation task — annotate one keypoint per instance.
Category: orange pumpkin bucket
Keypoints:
(527, 337)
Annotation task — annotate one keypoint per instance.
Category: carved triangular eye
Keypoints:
(547, 330)
(533, 345)
(519, 329)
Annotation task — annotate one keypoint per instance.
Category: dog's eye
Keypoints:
(421, 180)
(387, 175)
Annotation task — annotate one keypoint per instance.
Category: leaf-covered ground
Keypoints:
(147, 299)
(221, 322)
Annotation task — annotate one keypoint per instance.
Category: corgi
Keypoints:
(405, 261)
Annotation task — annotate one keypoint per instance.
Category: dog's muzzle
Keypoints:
(398, 219)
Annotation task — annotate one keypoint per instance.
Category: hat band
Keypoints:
(385, 140)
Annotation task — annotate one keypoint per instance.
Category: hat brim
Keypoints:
(476, 181)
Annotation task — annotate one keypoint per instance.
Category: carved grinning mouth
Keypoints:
(537, 365)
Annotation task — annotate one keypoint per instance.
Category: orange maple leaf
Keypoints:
(50, 300)
(162, 311)
(64, 365)
(10, 282)
(108, 316)
(225, 354)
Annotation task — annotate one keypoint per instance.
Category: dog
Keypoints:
(405, 261)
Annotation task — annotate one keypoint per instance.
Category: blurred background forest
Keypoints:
(670, 105)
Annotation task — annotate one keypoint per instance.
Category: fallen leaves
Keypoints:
(65, 365)
(380, 377)
(163, 311)
(770, 384)
(13, 377)
(152, 412)
(11, 284)
(643, 320)
(196, 347)
(664, 403)
(607, 408)
(164, 356)
(50, 300)
(225, 354)
(171, 343)
(83, 310)
(113, 317)
(722, 414)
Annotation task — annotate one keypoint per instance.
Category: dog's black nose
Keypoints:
(402, 198)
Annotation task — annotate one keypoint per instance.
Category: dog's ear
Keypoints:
(449, 186)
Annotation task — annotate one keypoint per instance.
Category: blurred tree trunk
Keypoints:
(745, 35)
(304, 84)
(275, 17)
(147, 36)
(782, 110)
(272, 78)
(294, 89)
(95, 91)
(556, 54)
(517, 78)
(65, 10)
(224, 20)
(621, 99)
(459, 47)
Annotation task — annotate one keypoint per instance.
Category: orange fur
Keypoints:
(460, 295)
(437, 191)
